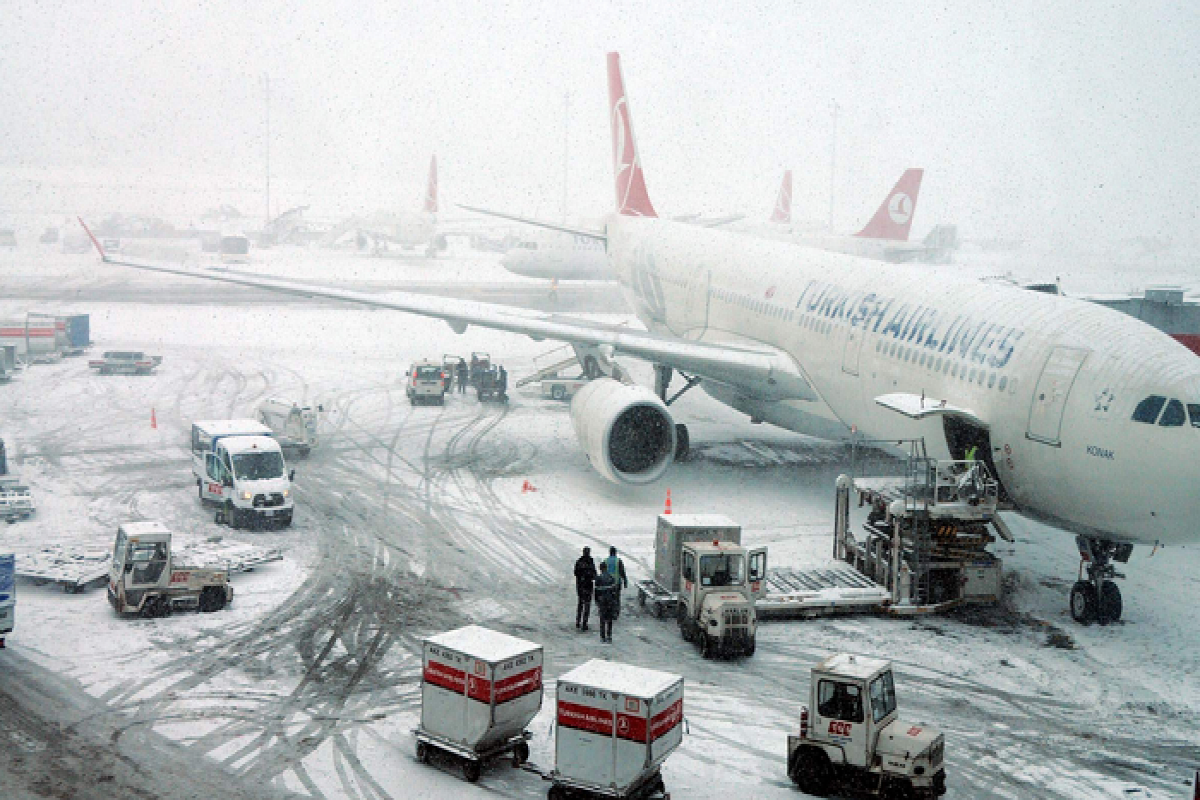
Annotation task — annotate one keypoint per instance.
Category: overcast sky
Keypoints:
(1031, 119)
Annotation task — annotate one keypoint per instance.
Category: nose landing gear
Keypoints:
(1096, 598)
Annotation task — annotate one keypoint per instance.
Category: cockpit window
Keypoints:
(1147, 410)
(1174, 416)
(1194, 413)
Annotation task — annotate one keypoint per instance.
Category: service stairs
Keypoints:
(550, 370)
(813, 591)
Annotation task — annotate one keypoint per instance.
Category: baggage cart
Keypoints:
(479, 689)
(616, 725)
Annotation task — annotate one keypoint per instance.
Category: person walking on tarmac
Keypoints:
(585, 580)
(607, 600)
(616, 569)
(461, 369)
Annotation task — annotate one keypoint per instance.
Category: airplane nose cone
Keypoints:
(513, 262)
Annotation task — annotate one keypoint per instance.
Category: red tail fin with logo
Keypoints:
(894, 218)
(782, 215)
(632, 199)
(431, 188)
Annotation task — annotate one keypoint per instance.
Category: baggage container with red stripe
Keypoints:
(616, 725)
(479, 689)
(33, 338)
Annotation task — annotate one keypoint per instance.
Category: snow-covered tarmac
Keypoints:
(411, 521)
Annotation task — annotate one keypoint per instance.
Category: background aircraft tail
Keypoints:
(431, 200)
(894, 218)
(782, 215)
(632, 198)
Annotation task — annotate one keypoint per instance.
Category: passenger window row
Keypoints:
(1167, 413)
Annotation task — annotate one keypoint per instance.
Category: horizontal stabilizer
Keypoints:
(597, 235)
(916, 406)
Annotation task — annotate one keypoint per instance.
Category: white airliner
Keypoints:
(554, 256)
(1088, 416)
(407, 230)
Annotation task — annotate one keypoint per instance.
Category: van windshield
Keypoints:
(258, 466)
(428, 373)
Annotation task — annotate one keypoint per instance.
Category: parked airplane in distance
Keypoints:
(406, 230)
(1088, 417)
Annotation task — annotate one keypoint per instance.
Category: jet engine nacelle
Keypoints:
(625, 430)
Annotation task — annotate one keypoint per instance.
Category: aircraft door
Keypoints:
(852, 350)
(1050, 395)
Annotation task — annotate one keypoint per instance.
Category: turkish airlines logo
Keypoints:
(623, 141)
(900, 208)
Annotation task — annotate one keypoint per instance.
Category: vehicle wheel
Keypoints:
(556, 793)
(559, 392)
(658, 610)
(811, 771)
(231, 517)
(706, 646)
(212, 598)
(685, 629)
(471, 771)
(683, 441)
(1110, 603)
(200, 490)
(750, 648)
(520, 753)
(1083, 602)
(422, 752)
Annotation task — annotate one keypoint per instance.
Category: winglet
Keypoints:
(88, 231)
(894, 218)
(632, 198)
(782, 215)
(431, 193)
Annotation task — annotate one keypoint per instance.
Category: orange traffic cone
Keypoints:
(153, 419)
(527, 487)
(667, 510)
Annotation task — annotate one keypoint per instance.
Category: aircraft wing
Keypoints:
(765, 372)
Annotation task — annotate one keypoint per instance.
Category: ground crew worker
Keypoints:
(616, 568)
(461, 369)
(585, 580)
(503, 381)
(972, 452)
(606, 601)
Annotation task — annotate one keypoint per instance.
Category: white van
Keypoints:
(240, 467)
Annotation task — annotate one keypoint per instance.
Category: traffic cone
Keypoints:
(153, 419)
(667, 510)
(527, 487)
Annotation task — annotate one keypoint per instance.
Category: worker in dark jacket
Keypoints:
(616, 568)
(606, 602)
(461, 369)
(585, 579)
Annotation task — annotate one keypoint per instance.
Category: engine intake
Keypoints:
(625, 430)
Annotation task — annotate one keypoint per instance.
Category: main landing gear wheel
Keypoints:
(471, 771)
(1110, 603)
(683, 441)
(1084, 602)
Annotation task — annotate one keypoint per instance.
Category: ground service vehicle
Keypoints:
(426, 383)
(491, 385)
(235, 248)
(852, 738)
(450, 369)
(673, 531)
(125, 362)
(716, 604)
(145, 580)
(293, 425)
(8, 595)
(240, 467)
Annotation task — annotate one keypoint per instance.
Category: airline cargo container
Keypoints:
(479, 689)
(8, 595)
(42, 337)
(33, 338)
(616, 726)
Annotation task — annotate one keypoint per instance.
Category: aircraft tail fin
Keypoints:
(431, 188)
(632, 198)
(894, 218)
(782, 215)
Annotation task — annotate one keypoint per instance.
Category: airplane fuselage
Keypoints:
(1057, 381)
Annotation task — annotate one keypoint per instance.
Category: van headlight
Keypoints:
(287, 492)
(247, 495)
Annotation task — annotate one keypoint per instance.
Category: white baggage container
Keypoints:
(616, 725)
(479, 689)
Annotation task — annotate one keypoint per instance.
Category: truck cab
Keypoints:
(851, 735)
(143, 578)
(721, 581)
(240, 467)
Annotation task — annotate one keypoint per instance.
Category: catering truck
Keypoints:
(8, 595)
(852, 738)
(239, 467)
